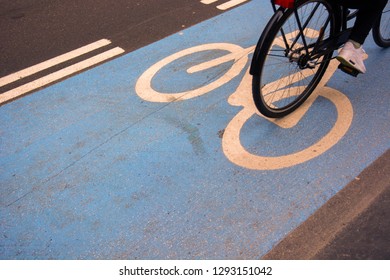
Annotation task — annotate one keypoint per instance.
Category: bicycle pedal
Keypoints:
(348, 70)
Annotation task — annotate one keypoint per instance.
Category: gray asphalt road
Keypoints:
(34, 31)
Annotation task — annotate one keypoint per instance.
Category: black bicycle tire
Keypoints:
(378, 37)
(259, 58)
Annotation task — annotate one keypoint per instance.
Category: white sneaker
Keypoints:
(352, 57)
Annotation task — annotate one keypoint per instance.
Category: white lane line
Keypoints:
(230, 4)
(19, 91)
(51, 62)
(208, 1)
(225, 6)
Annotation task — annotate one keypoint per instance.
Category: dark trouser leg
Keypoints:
(369, 11)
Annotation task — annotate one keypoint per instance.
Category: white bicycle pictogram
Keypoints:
(231, 144)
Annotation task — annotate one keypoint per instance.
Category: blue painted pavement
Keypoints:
(90, 170)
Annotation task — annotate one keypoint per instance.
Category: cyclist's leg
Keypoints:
(368, 13)
(352, 55)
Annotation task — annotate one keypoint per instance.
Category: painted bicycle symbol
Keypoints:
(231, 144)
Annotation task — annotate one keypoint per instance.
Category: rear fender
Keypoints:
(254, 69)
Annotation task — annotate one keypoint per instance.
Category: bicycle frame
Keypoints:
(323, 47)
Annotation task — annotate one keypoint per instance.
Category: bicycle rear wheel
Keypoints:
(287, 69)
(381, 30)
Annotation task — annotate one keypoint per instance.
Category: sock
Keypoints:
(355, 44)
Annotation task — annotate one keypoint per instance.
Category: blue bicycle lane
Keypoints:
(90, 170)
